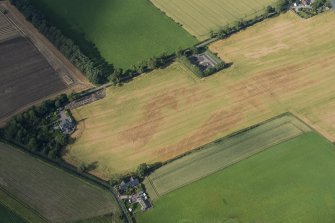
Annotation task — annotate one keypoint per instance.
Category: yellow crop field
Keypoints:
(199, 17)
(282, 64)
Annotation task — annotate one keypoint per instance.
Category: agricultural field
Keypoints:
(293, 181)
(168, 112)
(20, 209)
(50, 192)
(31, 70)
(201, 17)
(125, 32)
(26, 76)
(8, 216)
(222, 153)
(7, 30)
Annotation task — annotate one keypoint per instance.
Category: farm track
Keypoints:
(38, 77)
(54, 57)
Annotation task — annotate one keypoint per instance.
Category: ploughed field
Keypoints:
(201, 17)
(26, 76)
(282, 64)
(293, 181)
(40, 192)
(126, 32)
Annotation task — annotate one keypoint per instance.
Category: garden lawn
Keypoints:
(292, 182)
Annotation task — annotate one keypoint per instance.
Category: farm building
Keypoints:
(133, 182)
(66, 125)
(307, 2)
(144, 203)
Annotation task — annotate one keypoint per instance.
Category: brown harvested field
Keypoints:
(26, 76)
(282, 64)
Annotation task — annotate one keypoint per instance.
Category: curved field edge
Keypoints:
(285, 183)
(223, 153)
(125, 32)
(70, 198)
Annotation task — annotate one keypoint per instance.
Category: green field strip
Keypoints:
(223, 153)
(150, 188)
(290, 182)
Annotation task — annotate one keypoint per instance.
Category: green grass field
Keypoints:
(30, 185)
(293, 182)
(201, 17)
(222, 153)
(8, 216)
(125, 32)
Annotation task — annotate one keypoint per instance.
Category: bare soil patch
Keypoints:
(26, 77)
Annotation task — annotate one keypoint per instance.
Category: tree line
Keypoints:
(281, 6)
(94, 66)
(187, 58)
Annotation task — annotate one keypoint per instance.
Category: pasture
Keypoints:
(282, 64)
(30, 181)
(126, 32)
(201, 17)
(222, 153)
(290, 182)
(26, 76)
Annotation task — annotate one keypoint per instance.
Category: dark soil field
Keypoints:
(26, 76)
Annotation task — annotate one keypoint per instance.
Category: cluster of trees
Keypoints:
(282, 5)
(186, 59)
(153, 63)
(142, 171)
(317, 7)
(34, 129)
